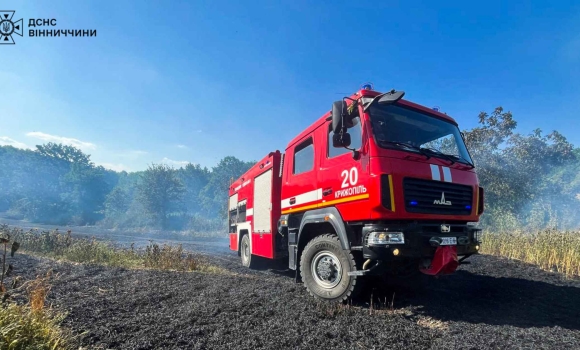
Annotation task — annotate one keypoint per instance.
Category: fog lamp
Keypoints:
(396, 252)
(386, 238)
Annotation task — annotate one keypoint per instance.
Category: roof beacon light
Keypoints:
(436, 108)
(367, 86)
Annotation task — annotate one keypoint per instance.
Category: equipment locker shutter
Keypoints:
(234, 201)
(263, 202)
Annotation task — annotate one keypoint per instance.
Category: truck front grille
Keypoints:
(436, 197)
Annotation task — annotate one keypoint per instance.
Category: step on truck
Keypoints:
(378, 186)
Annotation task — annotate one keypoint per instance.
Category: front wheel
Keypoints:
(324, 268)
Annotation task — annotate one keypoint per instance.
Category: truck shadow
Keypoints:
(473, 298)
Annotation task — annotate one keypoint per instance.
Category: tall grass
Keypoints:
(552, 250)
(58, 245)
(33, 325)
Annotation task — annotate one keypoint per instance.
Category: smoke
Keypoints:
(530, 181)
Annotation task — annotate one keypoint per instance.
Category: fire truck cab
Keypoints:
(376, 186)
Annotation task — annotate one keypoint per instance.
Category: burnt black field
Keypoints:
(493, 303)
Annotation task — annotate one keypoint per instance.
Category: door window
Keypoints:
(355, 132)
(303, 157)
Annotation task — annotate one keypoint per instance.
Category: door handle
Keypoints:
(327, 191)
(292, 200)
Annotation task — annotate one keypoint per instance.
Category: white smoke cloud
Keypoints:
(115, 167)
(177, 163)
(7, 141)
(64, 140)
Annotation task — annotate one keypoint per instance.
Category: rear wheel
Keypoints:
(245, 251)
(324, 268)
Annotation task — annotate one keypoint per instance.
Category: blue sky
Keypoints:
(195, 81)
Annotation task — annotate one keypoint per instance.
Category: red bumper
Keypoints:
(444, 262)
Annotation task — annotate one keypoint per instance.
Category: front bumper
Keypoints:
(420, 240)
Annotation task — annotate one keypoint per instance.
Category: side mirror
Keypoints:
(338, 108)
(341, 140)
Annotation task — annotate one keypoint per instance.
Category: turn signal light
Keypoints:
(480, 202)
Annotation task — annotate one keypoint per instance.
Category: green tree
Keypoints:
(194, 178)
(69, 154)
(515, 169)
(160, 192)
(214, 196)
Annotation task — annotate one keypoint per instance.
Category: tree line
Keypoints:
(58, 184)
(529, 180)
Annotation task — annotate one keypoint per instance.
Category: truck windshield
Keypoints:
(398, 127)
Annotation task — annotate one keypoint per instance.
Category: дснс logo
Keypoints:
(7, 27)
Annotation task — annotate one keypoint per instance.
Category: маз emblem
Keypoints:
(442, 201)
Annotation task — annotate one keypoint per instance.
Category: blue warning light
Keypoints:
(367, 86)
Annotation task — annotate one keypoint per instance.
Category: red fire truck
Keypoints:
(377, 186)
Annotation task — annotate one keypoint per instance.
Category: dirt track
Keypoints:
(491, 304)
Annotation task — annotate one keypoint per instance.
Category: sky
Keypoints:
(195, 81)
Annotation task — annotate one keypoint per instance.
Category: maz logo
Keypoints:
(442, 201)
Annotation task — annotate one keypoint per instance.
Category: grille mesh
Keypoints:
(427, 197)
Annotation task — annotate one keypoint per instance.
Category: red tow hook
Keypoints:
(444, 262)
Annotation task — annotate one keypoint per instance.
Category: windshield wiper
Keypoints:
(463, 160)
(407, 145)
(441, 154)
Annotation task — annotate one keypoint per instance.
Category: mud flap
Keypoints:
(444, 262)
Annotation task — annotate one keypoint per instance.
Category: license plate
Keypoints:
(449, 241)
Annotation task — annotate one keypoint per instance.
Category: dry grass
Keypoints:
(552, 250)
(33, 325)
(168, 257)
(58, 245)
(431, 323)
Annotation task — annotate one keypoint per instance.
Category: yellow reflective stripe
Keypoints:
(391, 190)
(326, 204)
(299, 209)
(344, 200)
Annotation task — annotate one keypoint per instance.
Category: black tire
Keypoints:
(245, 251)
(324, 268)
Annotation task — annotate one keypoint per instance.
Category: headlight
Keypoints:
(386, 238)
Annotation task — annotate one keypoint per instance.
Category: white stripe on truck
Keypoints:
(447, 174)
(435, 174)
(303, 198)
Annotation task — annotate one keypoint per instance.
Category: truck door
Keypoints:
(300, 191)
(342, 178)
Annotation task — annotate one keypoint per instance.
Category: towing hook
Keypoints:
(366, 264)
(435, 241)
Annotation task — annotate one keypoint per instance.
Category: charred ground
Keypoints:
(493, 303)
